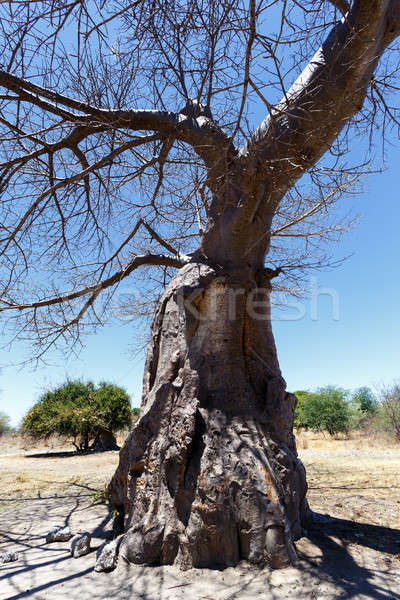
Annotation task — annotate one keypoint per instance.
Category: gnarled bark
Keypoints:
(210, 475)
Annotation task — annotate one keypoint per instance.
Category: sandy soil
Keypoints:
(29, 477)
(353, 553)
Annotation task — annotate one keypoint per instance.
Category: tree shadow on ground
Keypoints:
(42, 567)
(346, 555)
(376, 537)
(66, 453)
(337, 539)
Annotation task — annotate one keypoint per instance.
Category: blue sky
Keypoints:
(360, 348)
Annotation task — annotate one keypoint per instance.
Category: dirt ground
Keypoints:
(352, 550)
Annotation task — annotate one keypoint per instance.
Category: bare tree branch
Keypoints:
(203, 134)
(121, 126)
(95, 289)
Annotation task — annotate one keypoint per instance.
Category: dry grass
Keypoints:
(362, 488)
(34, 477)
(32, 470)
(367, 439)
(355, 477)
(12, 443)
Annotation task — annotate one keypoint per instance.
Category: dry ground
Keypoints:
(353, 554)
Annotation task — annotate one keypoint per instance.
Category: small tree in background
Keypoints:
(88, 415)
(364, 399)
(390, 399)
(4, 423)
(326, 409)
(363, 407)
(303, 397)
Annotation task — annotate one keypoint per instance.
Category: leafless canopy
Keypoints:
(124, 125)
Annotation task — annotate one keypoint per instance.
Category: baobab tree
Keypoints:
(129, 142)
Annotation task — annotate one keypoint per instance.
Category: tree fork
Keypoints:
(210, 475)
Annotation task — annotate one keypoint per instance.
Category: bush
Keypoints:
(326, 409)
(302, 398)
(88, 415)
(390, 409)
(4, 423)
(364, 400)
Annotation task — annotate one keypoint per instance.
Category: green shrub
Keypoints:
(4, 423)
(302, 398)
(79, 411)
(365, 400)
(326, 409)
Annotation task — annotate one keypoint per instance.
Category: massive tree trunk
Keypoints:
(210, 475)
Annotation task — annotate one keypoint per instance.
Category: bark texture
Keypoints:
(210, 475)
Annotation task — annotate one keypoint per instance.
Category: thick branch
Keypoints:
(327, 94)
(96, 288)
(202, 133)
(71, 141)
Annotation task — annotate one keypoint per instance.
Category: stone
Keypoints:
(7, 557)
(80, 544)
(107, 555)
(58, 534)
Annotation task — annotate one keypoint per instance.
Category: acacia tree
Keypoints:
(87, 414)
(130, 124)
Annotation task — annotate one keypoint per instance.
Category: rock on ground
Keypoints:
(7, 557)
(58, 534)
(80, 544)
(107, 555)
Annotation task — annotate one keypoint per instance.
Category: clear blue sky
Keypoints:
(362, 347)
